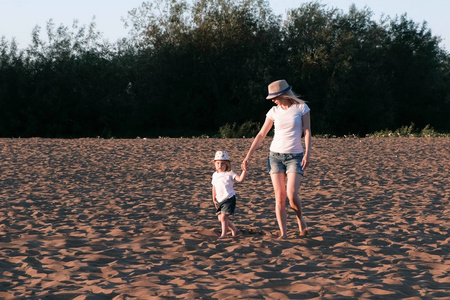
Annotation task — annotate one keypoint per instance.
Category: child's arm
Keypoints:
(214, 196)
(240, 178)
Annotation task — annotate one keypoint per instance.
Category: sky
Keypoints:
(19, 17)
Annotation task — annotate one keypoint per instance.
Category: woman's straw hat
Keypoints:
(277, 88)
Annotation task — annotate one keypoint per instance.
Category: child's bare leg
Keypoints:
(224, 222)
(233, 228)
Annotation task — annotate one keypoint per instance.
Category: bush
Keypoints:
(429, 131)
(232, 130)
(409, 131)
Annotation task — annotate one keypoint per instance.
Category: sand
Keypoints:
(134, 219)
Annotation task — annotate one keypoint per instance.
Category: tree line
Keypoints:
(190, 68)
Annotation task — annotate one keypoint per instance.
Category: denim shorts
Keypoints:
(227, 207)
(285, 163)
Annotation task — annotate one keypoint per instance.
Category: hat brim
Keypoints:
(274, 95)
(214, 160)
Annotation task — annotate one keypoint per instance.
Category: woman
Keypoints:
(287, 158)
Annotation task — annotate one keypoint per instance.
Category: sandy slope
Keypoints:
(120, 219)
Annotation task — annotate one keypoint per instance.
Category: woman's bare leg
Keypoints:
(293, 185)
(279, 187)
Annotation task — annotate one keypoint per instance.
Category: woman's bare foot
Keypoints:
(221, 237)
(235, 232)
(282, 237)
(303, 226)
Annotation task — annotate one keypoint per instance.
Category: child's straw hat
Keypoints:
(221, 155)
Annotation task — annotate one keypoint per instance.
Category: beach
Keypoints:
(134, 219)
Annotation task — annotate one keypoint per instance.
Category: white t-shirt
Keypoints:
(223, 182)
(288, 128)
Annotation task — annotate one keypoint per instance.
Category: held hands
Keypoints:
(244, 165)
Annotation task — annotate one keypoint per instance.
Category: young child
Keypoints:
(223, 194)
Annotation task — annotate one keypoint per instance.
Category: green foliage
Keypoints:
(232, 130)
(188, 67)
(409, 131)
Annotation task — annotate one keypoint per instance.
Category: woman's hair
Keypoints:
(291, 97)
(227, 163)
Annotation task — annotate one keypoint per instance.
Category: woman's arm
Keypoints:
(268, 123)
(306, 123)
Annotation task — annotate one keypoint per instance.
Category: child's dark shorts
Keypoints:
(227, 207)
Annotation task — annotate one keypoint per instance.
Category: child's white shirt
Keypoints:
(223, 183)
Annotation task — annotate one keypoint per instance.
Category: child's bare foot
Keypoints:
(282, 237)
(221, 237)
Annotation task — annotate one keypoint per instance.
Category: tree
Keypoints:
(190, 68)
(208, 64)
(414, 64)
